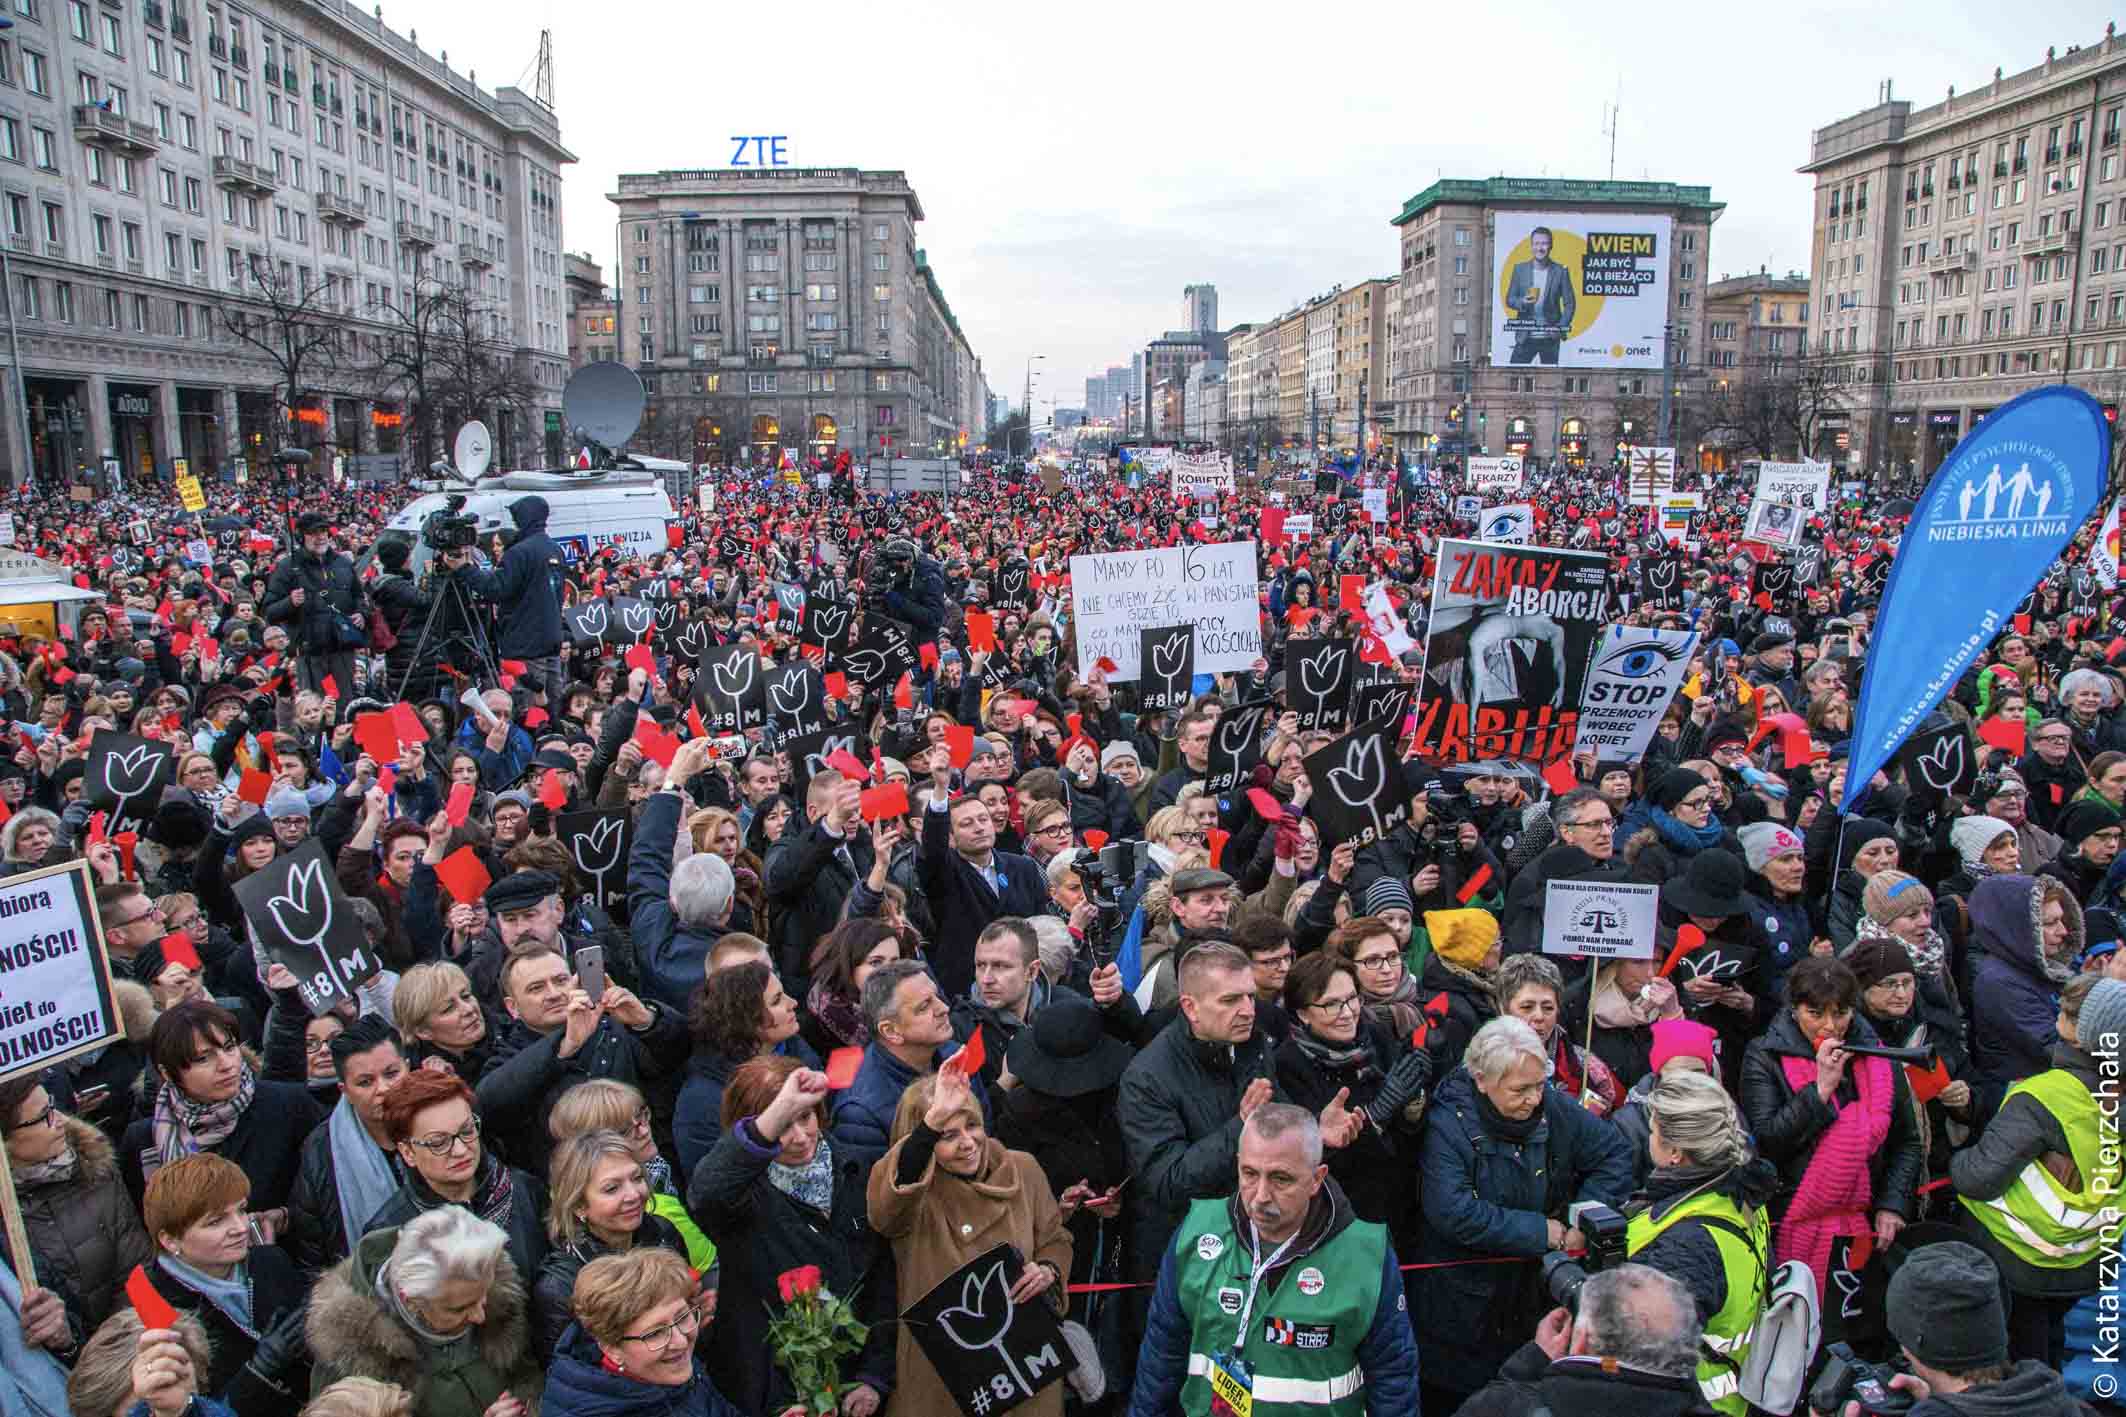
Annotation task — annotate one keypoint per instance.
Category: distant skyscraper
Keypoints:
(1199, 308)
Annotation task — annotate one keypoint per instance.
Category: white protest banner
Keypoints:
(1202, 472)
(1501, 474)
(7, 528)
(56, 998)
(1374, 503)
(1299, 526)
(1600, 919)
(1117, 596)
(2103, 553)
(1650, 475)
(1510, 525)
(1675, 512)
(1630, 683)
(1381, 617)
(1800, 484)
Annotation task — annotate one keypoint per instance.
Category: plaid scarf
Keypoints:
(183, 1127)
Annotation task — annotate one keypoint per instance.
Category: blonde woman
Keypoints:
(440, 1022)
(597, 1204)
(608, 1105)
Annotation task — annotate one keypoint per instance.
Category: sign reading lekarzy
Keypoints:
(1600, 919)
(56, 998)
(1117, 596)
(1500, 474)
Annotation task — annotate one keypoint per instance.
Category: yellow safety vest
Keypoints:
(1744, 1238)
(2038, 1220)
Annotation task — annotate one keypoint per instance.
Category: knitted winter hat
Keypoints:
(2103, 1016)
(1890, 894)
(1388, 893)
(1672, 787)
(1971, 836)
(1764, 842)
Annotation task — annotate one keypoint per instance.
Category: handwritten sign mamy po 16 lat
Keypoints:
(1116, 597)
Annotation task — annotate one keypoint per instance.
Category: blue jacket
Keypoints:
(672, 958)
(578, 1385)
(862, 1126)
(697, 1118)
(527, 586)
(1387, 1355)
(2014, 1001)
(1485, 1195)
(497, 770)
(1787, 932)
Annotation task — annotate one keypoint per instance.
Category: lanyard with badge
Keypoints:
(1232, 1380)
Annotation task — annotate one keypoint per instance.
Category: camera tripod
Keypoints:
(461, 636)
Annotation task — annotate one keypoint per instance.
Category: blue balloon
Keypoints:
(1995, 517)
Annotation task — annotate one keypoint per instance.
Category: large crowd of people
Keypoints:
(1271, 1120)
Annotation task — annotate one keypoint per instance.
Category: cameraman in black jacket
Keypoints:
(314, 594)
(910, 587)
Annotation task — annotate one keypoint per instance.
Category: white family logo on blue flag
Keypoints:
(1994, 519)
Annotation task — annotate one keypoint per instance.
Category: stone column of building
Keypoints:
(733, 275)
(169, 427)
(101, 444)
(852, 242)
(20, 470)
(232, 433)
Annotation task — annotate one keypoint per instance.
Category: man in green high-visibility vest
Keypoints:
(1278, 1301)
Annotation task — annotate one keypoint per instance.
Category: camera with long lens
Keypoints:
(449, 529)
(1444, 814)
(1846, 1378)
(1101, 874)
(1605, 1231)
(888, 569)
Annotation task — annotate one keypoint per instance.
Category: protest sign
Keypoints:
(1773, 523)
(1661, 583)
(1495, 475)
(1374, 503)
(1510, 525)
(1506, 652)
(7, 535)
(1806, 485)
(1387, 700)
(1467, 508)
(598, 843)
(125, 775)
(1939, 762)
(1317, 681)
(882, 655)
(1299, 526)
(190, 495)
(1236, 745)
(1118, 595)
(1202, 473)
(809, 753)
(797, 698)
(1358, 786)
(729, 690)
(1600, 919)
(1649, 475)
(991, 1354)
(1676, 514)
(1166, 668)
(629, 621)
(1998, 513)
(1630, 683)
(586, 622)
(297, 910)
(826, 624)
(55, 975)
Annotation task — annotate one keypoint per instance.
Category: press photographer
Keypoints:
(527, 586)
(1945, 1312)
(907, 586)
(314, 594)
(1632, 1347)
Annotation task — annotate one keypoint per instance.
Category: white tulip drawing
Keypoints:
(304, 913)
(1357, 781)
(791, 693)
(597, 851)
(591, 619)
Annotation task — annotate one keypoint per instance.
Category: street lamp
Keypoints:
(1027, 404)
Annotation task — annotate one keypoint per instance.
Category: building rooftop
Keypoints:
(734, 181)
(1558, 191)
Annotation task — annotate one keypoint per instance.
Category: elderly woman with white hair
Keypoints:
(1505, 1155)
(434, 1306)
(2089, 701)
(1706, 1220)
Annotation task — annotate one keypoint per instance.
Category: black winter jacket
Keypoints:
(527, 586)
(554, 1291)
(317, 1234)
(527, 1074)
(1529, 1383)
(263, 1143)
(278, 1297)
(760, 1232)
(327, 584)
(1686, 1250)
(1786, 1122)
(807, 881)
(84, 1234)
(1374, 1171)
(527, 1214)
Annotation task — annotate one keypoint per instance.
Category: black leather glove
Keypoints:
(1404, 1084)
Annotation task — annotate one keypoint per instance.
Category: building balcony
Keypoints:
(412, 233)
(473, 255)
(244, 176)
(344, 211)
(2053, 244)
(151, 13)
(93, 123)
(1944, 265)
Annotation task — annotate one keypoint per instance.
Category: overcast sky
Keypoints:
(1080, 164)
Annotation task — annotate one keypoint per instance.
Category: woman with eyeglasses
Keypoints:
(630, 1351)
(82, 1228)
(598, 1204)
(210, 1099)
(1337, 1044)
(430, 1122)
(1659, 834)
(435, 1306)
(776, 1196)
(608, 1105)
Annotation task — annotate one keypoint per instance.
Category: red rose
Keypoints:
(799, 1282)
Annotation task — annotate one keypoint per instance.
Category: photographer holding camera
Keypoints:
(1945, 1312)
(907, 586)
(1631, 1348)
(528, 586)
(314, 594)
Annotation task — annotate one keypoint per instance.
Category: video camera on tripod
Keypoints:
(449, 529)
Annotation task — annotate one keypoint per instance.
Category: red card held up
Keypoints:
(554, 791)
(927, 654)
(1351, 594)
(1927, 1084)
(254, 786)
(1107, 665)
(1560, 776)
(1094, 838)
(968, 1061)
(1266, 804)
(959, 743)
(96, 825)
(891, 800)
(658, 746)
(459, 806)
(515, 666)
(845, 762)
(981, 632)
(154, 1310)
(843, 1064)
(1476, 882)
(464, 875)
(376, 735)
(2011, 734)
(535, 718)
(407, 720)
(642, 657)
(177, 948)
(331, 684)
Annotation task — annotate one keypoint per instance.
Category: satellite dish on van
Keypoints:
(474, 450)
(603, 402)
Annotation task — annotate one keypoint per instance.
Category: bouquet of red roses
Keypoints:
(810, 1337)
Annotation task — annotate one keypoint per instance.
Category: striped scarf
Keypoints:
(184, 1127)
